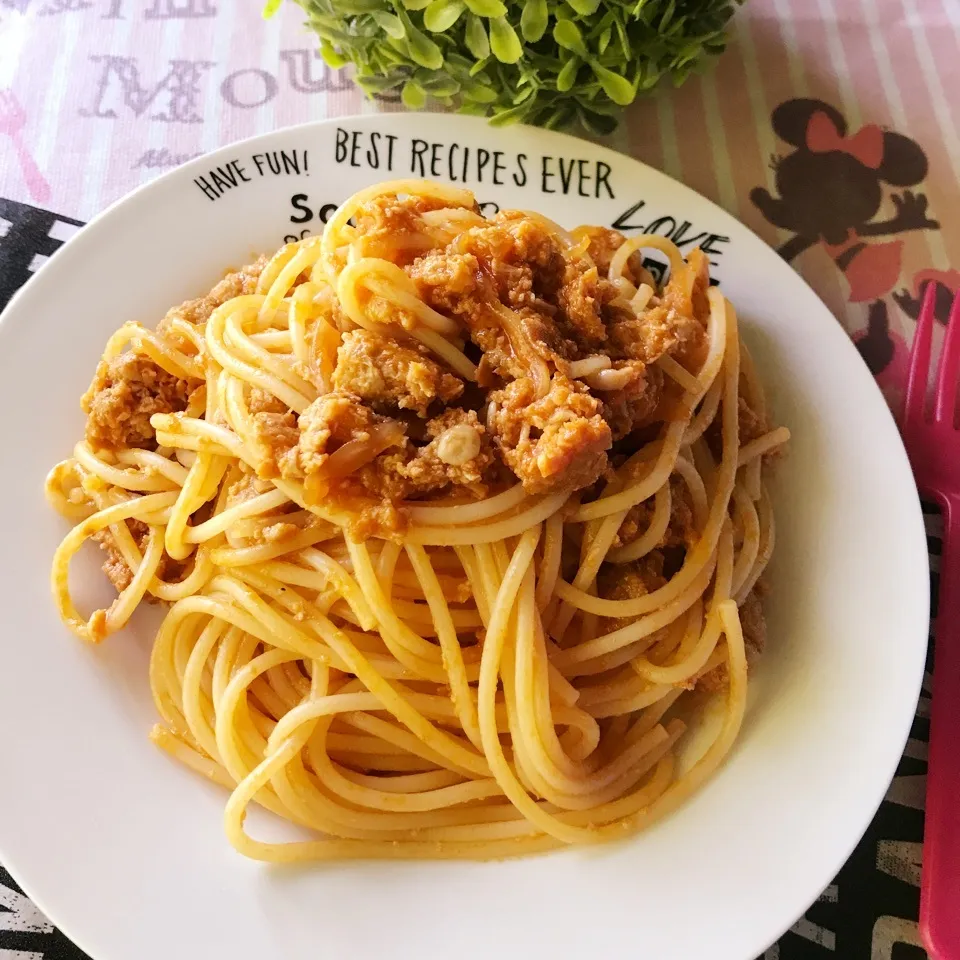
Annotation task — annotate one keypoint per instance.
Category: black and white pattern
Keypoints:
(28, 238)
(870, 910)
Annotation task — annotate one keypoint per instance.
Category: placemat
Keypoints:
(809, 91)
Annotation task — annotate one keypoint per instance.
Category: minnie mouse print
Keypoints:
(832, 187)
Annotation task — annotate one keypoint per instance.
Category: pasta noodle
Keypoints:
(463, 591)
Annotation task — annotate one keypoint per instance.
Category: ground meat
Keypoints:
(604, 243)
(511, 241)
(681, 530)
(659, 331)
(388, 375)
(115, 567)
(557, 441)
(750, 425)
(126, 392)
(580, 298)
(754, 626)
(392, 228)
(239, 283)
(448, 281)
(636, 404)
(329, 422)
(260, 401)
(628, 581)
(410, 472)
(276, 436)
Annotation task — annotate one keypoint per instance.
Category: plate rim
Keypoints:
(76, 247)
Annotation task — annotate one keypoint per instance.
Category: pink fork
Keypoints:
(933, 444)
(12, 121)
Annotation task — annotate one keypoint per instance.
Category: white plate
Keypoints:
(125, 850)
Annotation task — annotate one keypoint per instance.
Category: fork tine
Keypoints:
(948, 370)
(916, 396)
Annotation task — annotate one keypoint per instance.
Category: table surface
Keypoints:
(99, 96)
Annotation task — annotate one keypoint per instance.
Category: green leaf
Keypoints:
(584, 7)
(412, 95)
(391, 24)
(534, 20)
(503, 118)
(270, 8)
(604, 40)
(472, 109)
(504, 42)
(415, 4)
(476, 38)
(376, 84)
(486, 8)
(568, 75)
(330, 56)
(441, 15)
(596, 123)
(437, 84)
(568, 35)
(423, 50)
(561, 117)
(524, 95)
(624, 41)
(667, 15)
(480, 65)
(617, 88)
(478, 92)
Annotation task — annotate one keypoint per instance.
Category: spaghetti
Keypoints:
(459, 521)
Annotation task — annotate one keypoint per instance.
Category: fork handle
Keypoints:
(36, 182)
(940, 889)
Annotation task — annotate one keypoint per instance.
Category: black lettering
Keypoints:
(450, 174)
(391, 139)
(241, 173)
(483, 158)
(290, 163)
(219, 182)
(202, 183)
(354, 148)
(435, 149)
(566, 175)
(656, 225)
(228, 175)
(523, 173)
(489, 208)
(545, 174)
(327, 211)
(466, 160)
(603, 177)
(304, 212)
(273, 162)
(417, 149)
(681, 236)
(306, 158)
(581, 176)
(258, 160)
(498, 167)
(340, 153)
(708, 245)
(373, 155)
(623, 221)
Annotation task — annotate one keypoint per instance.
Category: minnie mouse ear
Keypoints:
(791, 117)
(904, 162)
